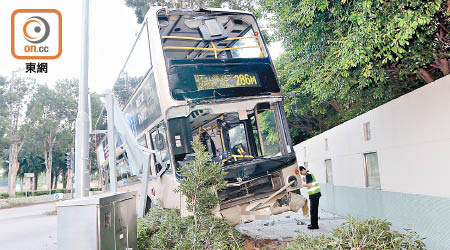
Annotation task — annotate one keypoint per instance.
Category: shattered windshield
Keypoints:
(234, 137)
(240, 138)
(237, 138)
(269, 133)
(203, 35)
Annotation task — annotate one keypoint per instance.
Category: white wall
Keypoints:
(410, 134)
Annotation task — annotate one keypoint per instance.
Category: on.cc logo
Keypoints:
(36, 34)
(39, 29)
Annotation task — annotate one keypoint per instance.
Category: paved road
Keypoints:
(28, 228)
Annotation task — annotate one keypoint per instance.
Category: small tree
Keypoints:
(165, 229)
(201, 181)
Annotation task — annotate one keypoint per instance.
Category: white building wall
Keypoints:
(410, 134)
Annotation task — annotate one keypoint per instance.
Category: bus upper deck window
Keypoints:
(206, 35)
(250, 47)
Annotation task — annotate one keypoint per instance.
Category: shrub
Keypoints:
(166, 229)
(201, 181)
(21, 194)
(4, 195)
(40, 192)
(366, 234)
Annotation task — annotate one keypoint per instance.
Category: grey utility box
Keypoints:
(101, 222)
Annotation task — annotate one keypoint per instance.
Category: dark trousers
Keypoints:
(314, 209)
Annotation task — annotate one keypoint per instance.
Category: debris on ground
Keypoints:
(252, 244)
(285, 226)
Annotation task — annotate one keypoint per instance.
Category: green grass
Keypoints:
(53, 212)
(15, 204)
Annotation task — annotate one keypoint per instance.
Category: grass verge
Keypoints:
(53, 212)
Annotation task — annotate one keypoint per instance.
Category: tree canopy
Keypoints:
(343, 57)
(38, 123)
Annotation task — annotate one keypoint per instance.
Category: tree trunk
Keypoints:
(12, 177)
(55, 186)
(425, 75)
(69, 178)
(14, 167)
(36, 179)
(337, 106)
(194, 210)
(51, 181)
(48, 158)
(14, 113)
(442, 65)
(47, 175)
(64, 178)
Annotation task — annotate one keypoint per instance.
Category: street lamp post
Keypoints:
(82, 122)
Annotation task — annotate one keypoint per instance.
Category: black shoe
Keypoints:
(309, 225)
(312, 228)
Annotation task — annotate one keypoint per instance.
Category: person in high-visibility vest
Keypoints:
(313, 189)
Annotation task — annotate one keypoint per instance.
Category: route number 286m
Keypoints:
(245, 79)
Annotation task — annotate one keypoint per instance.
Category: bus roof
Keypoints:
(154, 10)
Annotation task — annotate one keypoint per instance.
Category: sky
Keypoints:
(112, 32)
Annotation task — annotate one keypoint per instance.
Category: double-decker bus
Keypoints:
(205, 73)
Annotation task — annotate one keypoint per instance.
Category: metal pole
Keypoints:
(90, 114)
(82, 122)
(71, 172)
(144, 185)
(111, 142)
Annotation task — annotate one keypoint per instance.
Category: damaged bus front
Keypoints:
(218, 65)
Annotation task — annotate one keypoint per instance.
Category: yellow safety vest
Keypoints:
(315, 188)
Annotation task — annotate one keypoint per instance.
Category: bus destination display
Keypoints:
(223, 81)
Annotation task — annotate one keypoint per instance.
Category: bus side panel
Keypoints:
(164, 191)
